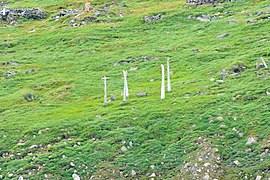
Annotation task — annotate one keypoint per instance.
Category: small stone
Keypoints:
(20, 178)
(220, 81)
(258, 178)
(142, 94)
(222, 36)
(267, 92)
(152, 175)
(130, 144)
(133, 68)
(236, 162)
(133, 173)
(232, 21)
(123, 148)
(206, 177)
(251, 140)
(112, 97)
(152, 80)
(72, 164)
(206, 164)
(152, 166)
(98, 116)
(76, 177)
(33, 146)
(220, 118)
(212, 79)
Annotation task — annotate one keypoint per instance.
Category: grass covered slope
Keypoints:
(202, 127)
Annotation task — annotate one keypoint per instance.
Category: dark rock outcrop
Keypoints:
(201, 2)
(11, 15)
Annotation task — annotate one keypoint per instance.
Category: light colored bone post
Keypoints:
(126, 83)
(169, 76)
(105, 90)
(265, 65)
(162, 96)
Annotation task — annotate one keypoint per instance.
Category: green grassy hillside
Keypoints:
(52, 119)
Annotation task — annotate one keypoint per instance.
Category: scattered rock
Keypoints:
(201, 2)
(232, 21)
(112, 97)
(258, 178)
(133, 68)
(10, 63)
(123, 148)
(29, 97)
(267, 92)
(11, 15)
(195, 50)
(152, 175)
(142, 94)
(153, 18)
(20, 178)
(76, 177)
(220, 118)
(72, 164)
(8, 74)
(133, 60)
(222, 36)
(30, 71)
(205, 18)
(65, 13)
(133, 173)
(206, 177)
(251, 140)
(200, 92)
(33, 146)
(238, 69)
(98, 116)
(236, 162)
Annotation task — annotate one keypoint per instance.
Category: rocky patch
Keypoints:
(153, 18)
(205, 18)
(204, 164)
(12, 15)
(133, 60)
(201, 2)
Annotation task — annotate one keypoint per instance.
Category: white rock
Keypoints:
(72, 164)
(219, 118)
(236, 162)
(251, 140)
(76, 177)
(152, 167)
(133, 173)
(123, 148)
(10, 175)
(206, 177)
(33, 146)
(130, 144)
(20, 178)
(206, 164)
(212, 79)
(152, 175)
(258, 178)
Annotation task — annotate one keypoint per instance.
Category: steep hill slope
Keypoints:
(212, 125)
